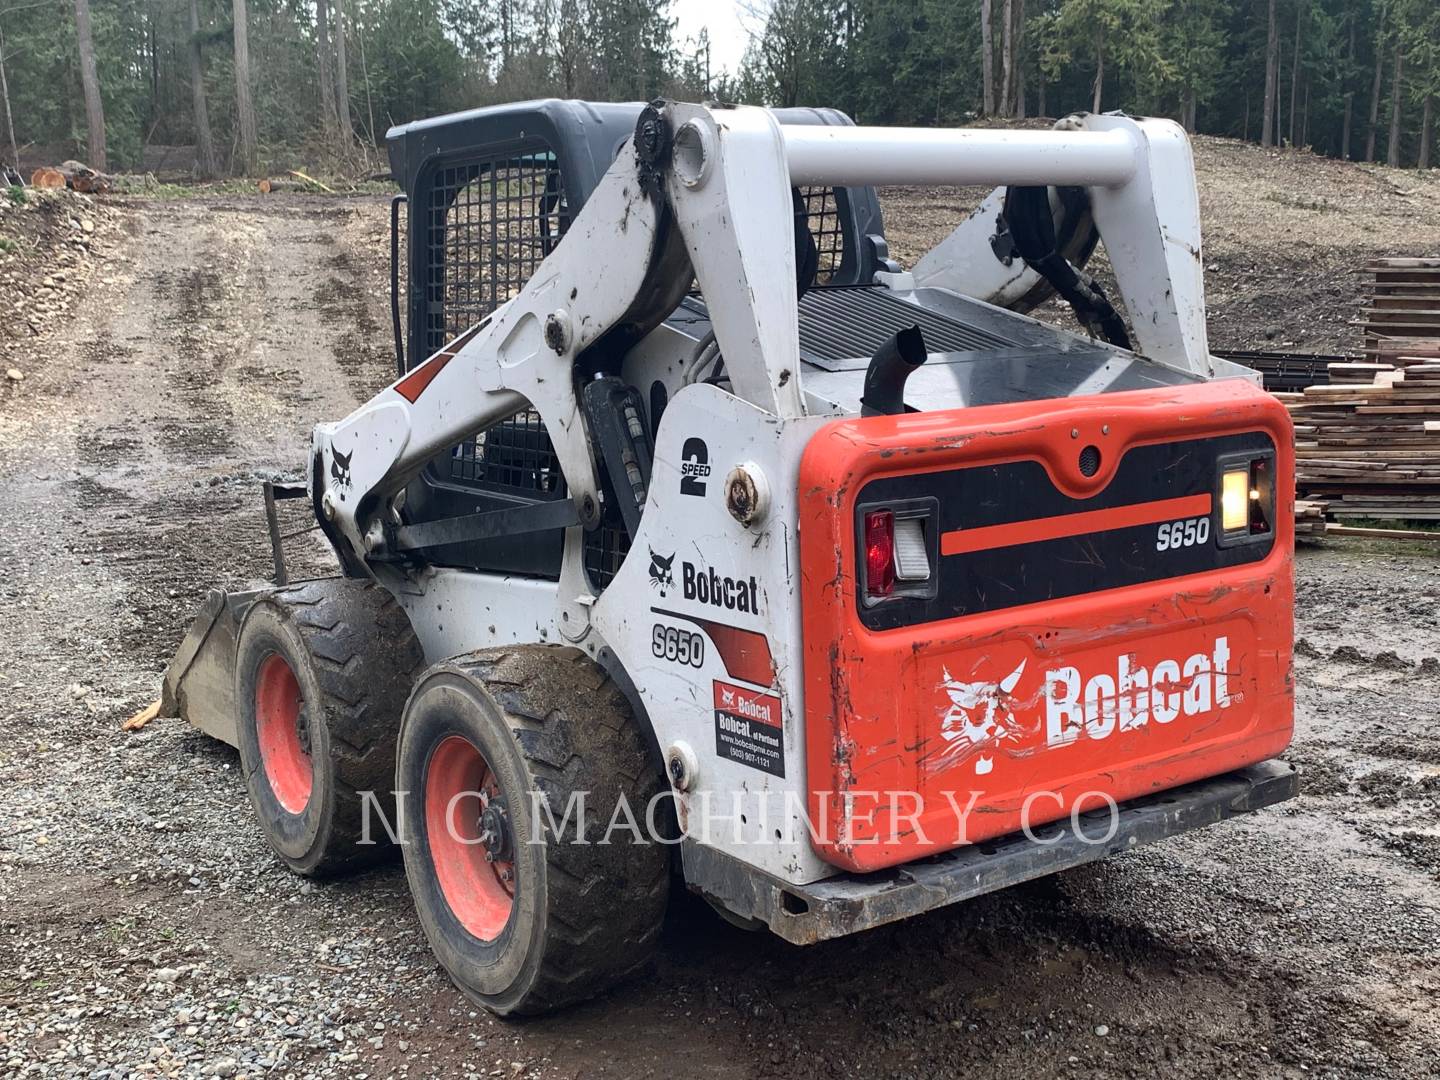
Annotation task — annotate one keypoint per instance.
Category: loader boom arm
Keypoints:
(706, 191)
(600, 280)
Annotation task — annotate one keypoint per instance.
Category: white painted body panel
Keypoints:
(861, 155)
(678, 698)
(455, 611)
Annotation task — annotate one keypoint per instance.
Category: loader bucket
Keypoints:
(200, 682)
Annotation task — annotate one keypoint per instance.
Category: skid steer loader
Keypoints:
(695, 532)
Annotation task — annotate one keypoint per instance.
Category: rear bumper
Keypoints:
(805, 914)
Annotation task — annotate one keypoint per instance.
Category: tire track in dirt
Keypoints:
(198, 373)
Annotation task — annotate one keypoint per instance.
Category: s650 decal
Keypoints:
(679, 646)
(1180, 534)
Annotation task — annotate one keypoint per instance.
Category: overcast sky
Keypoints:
(725, 19)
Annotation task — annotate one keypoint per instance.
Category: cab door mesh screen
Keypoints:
(822, 212)
(489, 225)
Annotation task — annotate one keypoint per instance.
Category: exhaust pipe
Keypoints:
(892, 364)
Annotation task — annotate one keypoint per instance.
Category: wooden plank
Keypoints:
(1402, 314)
(1381, 287)
(1413, 274)
(1383, 534)
(143, 717)
(1405, 301)
(1402, 262)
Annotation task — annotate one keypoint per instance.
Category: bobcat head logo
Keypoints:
(340, 467)
(660, 575)
(978, 718)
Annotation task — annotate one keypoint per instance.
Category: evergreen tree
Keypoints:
(1341, 76)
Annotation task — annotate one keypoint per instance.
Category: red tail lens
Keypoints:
(1262, 496)
(879, 553)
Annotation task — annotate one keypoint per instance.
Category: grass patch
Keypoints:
(151, 188)
(1299, 202)
(18, 195)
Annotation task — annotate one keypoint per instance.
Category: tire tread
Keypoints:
(576, 732)
(365, 658)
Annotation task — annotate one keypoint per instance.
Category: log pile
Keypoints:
(1368, 444)
(75, 175)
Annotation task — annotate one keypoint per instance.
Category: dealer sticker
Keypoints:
(749, 728)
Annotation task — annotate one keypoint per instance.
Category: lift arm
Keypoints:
(619, 270)
(706, 191)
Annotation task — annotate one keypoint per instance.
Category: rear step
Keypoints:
(805, 914)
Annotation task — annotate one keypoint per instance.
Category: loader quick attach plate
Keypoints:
(1088, 629)
(805, 914)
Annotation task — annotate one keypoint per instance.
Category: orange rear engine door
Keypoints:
(1088, 631)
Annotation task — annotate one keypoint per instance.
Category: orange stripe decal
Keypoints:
(964, 541)
(414, 384)
(745, 653)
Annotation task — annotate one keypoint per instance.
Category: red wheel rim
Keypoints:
(480, 888)
(277, 726)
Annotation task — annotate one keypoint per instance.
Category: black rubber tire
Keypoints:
(547, 719)
(355, 658)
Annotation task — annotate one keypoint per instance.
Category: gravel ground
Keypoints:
(146, 929)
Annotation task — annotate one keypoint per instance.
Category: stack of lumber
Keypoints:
(1356, 373)
(1310, 517)
(1403, 303)
(1401, 351)
(1368, 443)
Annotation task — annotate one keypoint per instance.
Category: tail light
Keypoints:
(900, 548)
(1247, 498)
(879, 554)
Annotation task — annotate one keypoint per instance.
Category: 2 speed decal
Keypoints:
(694, 466)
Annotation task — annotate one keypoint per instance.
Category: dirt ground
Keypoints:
(145, 928)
